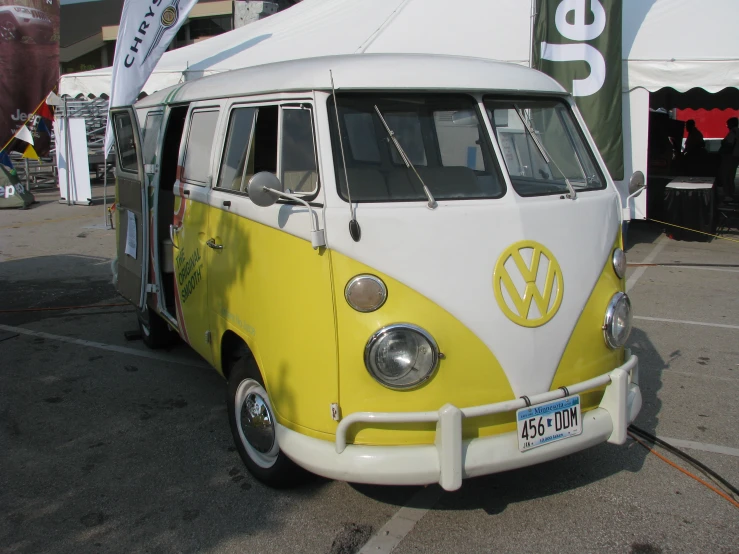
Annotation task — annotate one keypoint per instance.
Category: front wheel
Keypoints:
(253, 427)
(8, 30)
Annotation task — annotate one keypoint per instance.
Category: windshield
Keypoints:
(542, 147)
(440, 135)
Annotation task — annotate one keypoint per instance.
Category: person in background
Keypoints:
(694, 150)
(694, 144)
(729, 158)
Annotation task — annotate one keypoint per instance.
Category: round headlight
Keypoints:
(365, 293)
(617, 325)
(619, 263)
(401, 356)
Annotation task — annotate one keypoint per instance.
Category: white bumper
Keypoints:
(451, 459)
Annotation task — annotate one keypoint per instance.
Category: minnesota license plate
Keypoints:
(545, 423)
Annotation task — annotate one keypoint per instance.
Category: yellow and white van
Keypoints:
(409, 268)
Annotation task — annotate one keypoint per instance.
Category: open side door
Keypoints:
(131, 208)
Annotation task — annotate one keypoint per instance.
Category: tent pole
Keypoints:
(105, 187)
(66, 152)
(532, 17)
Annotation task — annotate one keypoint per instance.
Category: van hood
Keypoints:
(516, 271)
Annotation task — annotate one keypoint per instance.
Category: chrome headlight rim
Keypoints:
(619, 262)
(383, 332)
(608, 322)
(354, 280)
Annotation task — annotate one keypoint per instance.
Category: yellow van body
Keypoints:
(419, 256)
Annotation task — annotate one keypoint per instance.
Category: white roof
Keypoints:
(666, 43)
(371, 71)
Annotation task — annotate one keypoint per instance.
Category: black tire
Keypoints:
(155, 332)
(8, 30)
(262, 455)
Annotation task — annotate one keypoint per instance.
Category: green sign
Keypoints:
(578, 43)
(12, 192)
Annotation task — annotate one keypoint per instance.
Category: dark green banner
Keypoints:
(12, 192)
(578, 43)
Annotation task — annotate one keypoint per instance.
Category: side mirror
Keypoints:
(636, 183)
(264, 188)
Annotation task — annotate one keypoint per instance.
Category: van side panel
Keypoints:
(274, 291)
(191, 271)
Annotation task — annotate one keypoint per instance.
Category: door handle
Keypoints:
(173, 229)
(212, 244)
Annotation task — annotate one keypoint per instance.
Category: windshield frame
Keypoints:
(575, 126)
(491, 161)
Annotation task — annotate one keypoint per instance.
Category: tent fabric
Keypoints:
(666, 43)
(681, 44)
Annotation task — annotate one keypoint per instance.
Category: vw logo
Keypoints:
(528, 283)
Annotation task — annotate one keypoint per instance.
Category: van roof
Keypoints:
(361, 72)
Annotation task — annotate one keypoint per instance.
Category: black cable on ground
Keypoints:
(688, 458)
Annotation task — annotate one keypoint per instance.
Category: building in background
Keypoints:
(89, 29)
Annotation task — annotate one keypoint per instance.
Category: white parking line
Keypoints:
(403, 522)
(718, 449)
(102, 346)
(661, 243)
(684, 322)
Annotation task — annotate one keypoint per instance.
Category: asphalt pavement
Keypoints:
(109, 447)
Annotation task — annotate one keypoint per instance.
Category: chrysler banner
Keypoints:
(29, 66)
(578, 43)
(147, 27)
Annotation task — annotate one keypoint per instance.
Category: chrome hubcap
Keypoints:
(256, 423)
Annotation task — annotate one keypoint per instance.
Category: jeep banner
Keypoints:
(578, 43)
(29, 67)
(147, 27)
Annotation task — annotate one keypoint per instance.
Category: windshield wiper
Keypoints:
(543, 151)
(432, 203)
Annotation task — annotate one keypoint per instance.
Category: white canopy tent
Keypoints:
(680, 44)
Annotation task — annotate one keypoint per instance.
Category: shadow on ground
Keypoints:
(106, 451)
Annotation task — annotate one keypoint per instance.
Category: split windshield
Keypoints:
(442, 137)
(444, 140)
(542, 147)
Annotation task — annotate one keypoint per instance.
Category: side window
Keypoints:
(263, 156)
(298, 156)
(125, 143)
(238, 147)
(199, 146)
(152, 125)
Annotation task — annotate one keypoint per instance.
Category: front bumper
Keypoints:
(451, 459)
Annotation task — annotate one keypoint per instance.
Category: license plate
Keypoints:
(545, 423)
